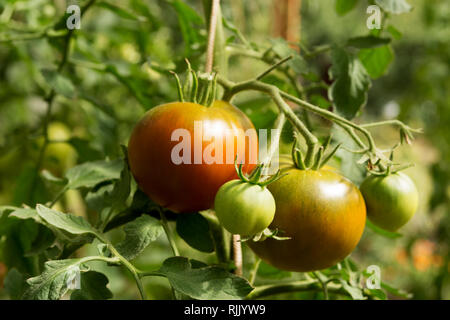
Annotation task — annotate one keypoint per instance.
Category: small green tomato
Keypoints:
(391, 200)
(244, 208)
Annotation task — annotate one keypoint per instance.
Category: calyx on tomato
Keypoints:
(319, 159)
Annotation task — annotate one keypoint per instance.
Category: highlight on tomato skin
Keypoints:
(172, 168)
(322, 212)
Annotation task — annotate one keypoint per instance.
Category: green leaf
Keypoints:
(89, 174)
(367, 42)
(267, 271)
(377, 293)
(47, 175)
(65, 221)
(377, 60)
(190, 24)
(138, 235)
(61, 84)
(344, 6)
(395, 33)
(382, 232)
(194, 229)
(354, 292)
(44, 239)
(52, 284)
(351, 83)
(204, 282)
(20, 213)
(394, 6)
(396, 292)
(121, 12)
(348, 161)
(29, 187)
(85, 151)
(282, 49)
(93, 286)
(15, 284)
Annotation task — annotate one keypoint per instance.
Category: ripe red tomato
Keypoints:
(324, 215)
(391, 200)
(189, 187)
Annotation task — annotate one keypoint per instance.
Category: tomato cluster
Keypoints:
(320, 213)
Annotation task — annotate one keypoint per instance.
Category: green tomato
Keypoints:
(391, 200)
(244, 208)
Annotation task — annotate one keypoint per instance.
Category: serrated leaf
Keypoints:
(20, 213)
(351, 83)
(138, 235)
(65, 221)
(367, 42)
(344, 6)
(61, 84)
(394, 6)
(89, 174)
(194, 229)
(376, 60)
(93, 286)
(205, 282)
(52, 284)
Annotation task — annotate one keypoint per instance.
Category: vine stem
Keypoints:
(168, 233)
(237, 254)
(50, 98)
(211, 36)
(127, 265)
(254, 270)
(296, 286)
(323, 284)
(279, 96)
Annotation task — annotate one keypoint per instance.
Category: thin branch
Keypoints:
(237, 254)
(211, 36)
(296, 286)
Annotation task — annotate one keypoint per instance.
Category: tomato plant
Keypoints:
(391, 200)
(149, 183)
